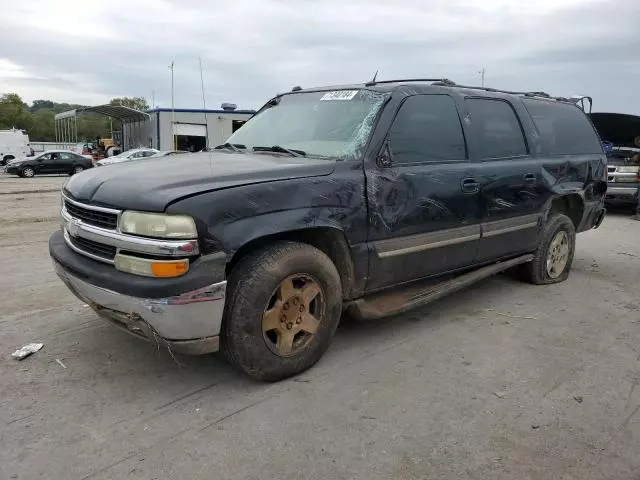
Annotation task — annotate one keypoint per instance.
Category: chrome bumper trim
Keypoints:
(172, 248)
(630, 191)
(194, 315)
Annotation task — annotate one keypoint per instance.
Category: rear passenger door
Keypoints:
(512, 194)
(423, 214)
(65, 162)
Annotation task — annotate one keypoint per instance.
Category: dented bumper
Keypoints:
(186, 323)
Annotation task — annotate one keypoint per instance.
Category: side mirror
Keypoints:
(385, 159)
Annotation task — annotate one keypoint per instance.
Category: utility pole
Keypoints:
(481, 72)
(153, 99)
(173, 111)
(204, 107)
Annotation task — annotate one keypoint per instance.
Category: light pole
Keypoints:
(481, 72)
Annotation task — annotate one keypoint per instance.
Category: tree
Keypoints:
(40, 104)
(13, 113)
(139, 103)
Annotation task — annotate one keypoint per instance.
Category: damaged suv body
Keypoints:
(369, 198)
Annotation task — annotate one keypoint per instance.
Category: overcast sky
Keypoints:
(88, 52)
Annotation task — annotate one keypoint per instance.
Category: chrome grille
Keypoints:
(98, 249)
(92, 217)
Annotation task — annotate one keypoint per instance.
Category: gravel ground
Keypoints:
(501, 381)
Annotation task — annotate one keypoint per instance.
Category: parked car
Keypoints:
(623, 176)
(134, 154)
(14, 144)
(167, 153)
(369, 198)
(52, 161)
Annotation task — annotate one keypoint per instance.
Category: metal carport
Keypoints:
(66, 123)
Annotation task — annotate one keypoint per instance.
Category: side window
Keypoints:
(496, 127)
(46, 157)
(65, 156)
(427, 129)
(147, 153)
(563, 128)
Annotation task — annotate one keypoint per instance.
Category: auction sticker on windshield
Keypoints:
(340, 95)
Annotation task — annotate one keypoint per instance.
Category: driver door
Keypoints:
(424, 205)
(43, 164)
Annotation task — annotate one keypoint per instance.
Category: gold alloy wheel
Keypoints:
(293, 314)
(558, 254)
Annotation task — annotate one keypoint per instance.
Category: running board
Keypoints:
(405, 298)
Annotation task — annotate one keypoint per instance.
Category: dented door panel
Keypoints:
(420, 222)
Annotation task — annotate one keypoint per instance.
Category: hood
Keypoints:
(151, 185)
(111, 160)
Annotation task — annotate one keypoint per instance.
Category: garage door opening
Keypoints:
(190, 137)
(190, 143)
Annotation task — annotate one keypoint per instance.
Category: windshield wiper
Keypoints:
(230, 146)
(279, 149)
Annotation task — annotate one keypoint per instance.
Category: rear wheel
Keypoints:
(77, 169)
(283, 308)
(554, 256)
(7, 159)
(28, 172)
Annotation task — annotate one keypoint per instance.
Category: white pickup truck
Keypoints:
(13, 144)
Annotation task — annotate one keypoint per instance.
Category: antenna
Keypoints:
(204, 107)
(481, 73)
(173, 111)
(373, 80)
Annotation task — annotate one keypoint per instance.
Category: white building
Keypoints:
(192, 129)
(161, 128)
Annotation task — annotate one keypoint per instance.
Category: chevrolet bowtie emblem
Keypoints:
(73, 227)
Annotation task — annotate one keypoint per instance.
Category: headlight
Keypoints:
(628, 169)
(158, 225)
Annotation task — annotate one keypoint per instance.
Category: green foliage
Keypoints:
(139, 103)
(38, 119)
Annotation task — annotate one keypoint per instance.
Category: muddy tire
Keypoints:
(283, 307)
(28, 172)
(554, 255)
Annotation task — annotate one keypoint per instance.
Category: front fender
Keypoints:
(228, 219)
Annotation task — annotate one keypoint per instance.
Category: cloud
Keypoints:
(251, 49)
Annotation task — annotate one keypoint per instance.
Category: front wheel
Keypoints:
(283, 308)
(553, 258)
(28, 172)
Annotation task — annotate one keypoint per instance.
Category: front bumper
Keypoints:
(186, 323)
(625, 194)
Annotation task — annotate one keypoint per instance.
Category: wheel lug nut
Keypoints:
(298, 321)
(295, 301)
(283, 319)
(285, 306)
(301, 308)
(289, 326)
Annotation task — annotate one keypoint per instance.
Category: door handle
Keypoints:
(529, 179)
(470, 185)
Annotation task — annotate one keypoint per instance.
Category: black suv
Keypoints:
(369, 198)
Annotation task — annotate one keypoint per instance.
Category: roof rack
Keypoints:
(578, 100)
(443, 81)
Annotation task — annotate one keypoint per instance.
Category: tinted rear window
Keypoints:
(564, 129)
(497, 128)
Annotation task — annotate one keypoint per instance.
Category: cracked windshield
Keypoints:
(355, 240)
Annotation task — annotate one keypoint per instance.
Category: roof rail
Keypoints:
(443, 81)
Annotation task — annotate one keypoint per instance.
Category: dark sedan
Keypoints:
(50, 162)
